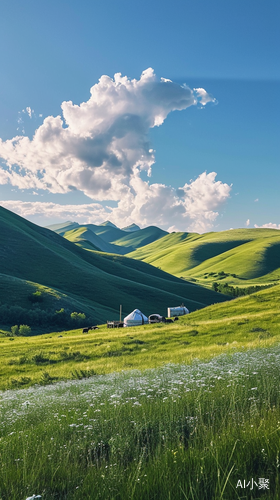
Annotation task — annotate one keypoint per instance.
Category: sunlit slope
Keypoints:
(260, 310)
(248, 253)
(33, 253)
(243, 323)
(62, 227)
(253, 260)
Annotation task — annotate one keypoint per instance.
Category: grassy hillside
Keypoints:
(87, 239)
(44, 308)
(19, 290)
(107, 229)
(62, 227)
(92, 236)
(191, 430)
(141, 238)
(99, 281)
(243, 323)
(250, 254)
(107, 232)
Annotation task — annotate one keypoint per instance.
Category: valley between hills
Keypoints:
(49, 273)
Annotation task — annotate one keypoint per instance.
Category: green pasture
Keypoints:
(241, 324)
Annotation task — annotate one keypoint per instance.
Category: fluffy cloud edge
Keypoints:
(268, 225)
(190, 208)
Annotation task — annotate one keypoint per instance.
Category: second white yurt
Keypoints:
(135, 318)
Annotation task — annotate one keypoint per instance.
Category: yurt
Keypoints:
(135, 318)
(177, 311)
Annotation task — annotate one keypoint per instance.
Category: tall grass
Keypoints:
(179, 432)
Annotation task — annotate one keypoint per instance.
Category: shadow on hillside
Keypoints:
(271, 260)
(209, 250)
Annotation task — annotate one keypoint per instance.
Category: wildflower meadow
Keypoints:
(209, 430)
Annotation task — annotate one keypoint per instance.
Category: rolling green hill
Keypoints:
(98, 281)
(107, 232)
(16, 294)
(250, 254)
(138, 239)
(62, 227)
(87, 239)
(107, 237)
(87, 235)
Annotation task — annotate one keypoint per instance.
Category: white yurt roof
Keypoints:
(135, 318)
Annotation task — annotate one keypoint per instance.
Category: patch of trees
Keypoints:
(235, 291)
(62, 318)
(23, 330)
(220, 276)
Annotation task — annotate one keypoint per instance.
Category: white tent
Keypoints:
(135, 318)
(177, 311)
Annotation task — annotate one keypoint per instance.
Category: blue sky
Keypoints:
(54, 52)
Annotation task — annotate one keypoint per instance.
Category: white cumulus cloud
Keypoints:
(101, 146)
(269, 225)
(191, 208)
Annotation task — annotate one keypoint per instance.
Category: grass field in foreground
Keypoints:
(192, 430)
(244, 323)
(180, 432)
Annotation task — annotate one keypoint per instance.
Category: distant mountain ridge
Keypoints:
(132, 227)
(107, 237)
(108, 223)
